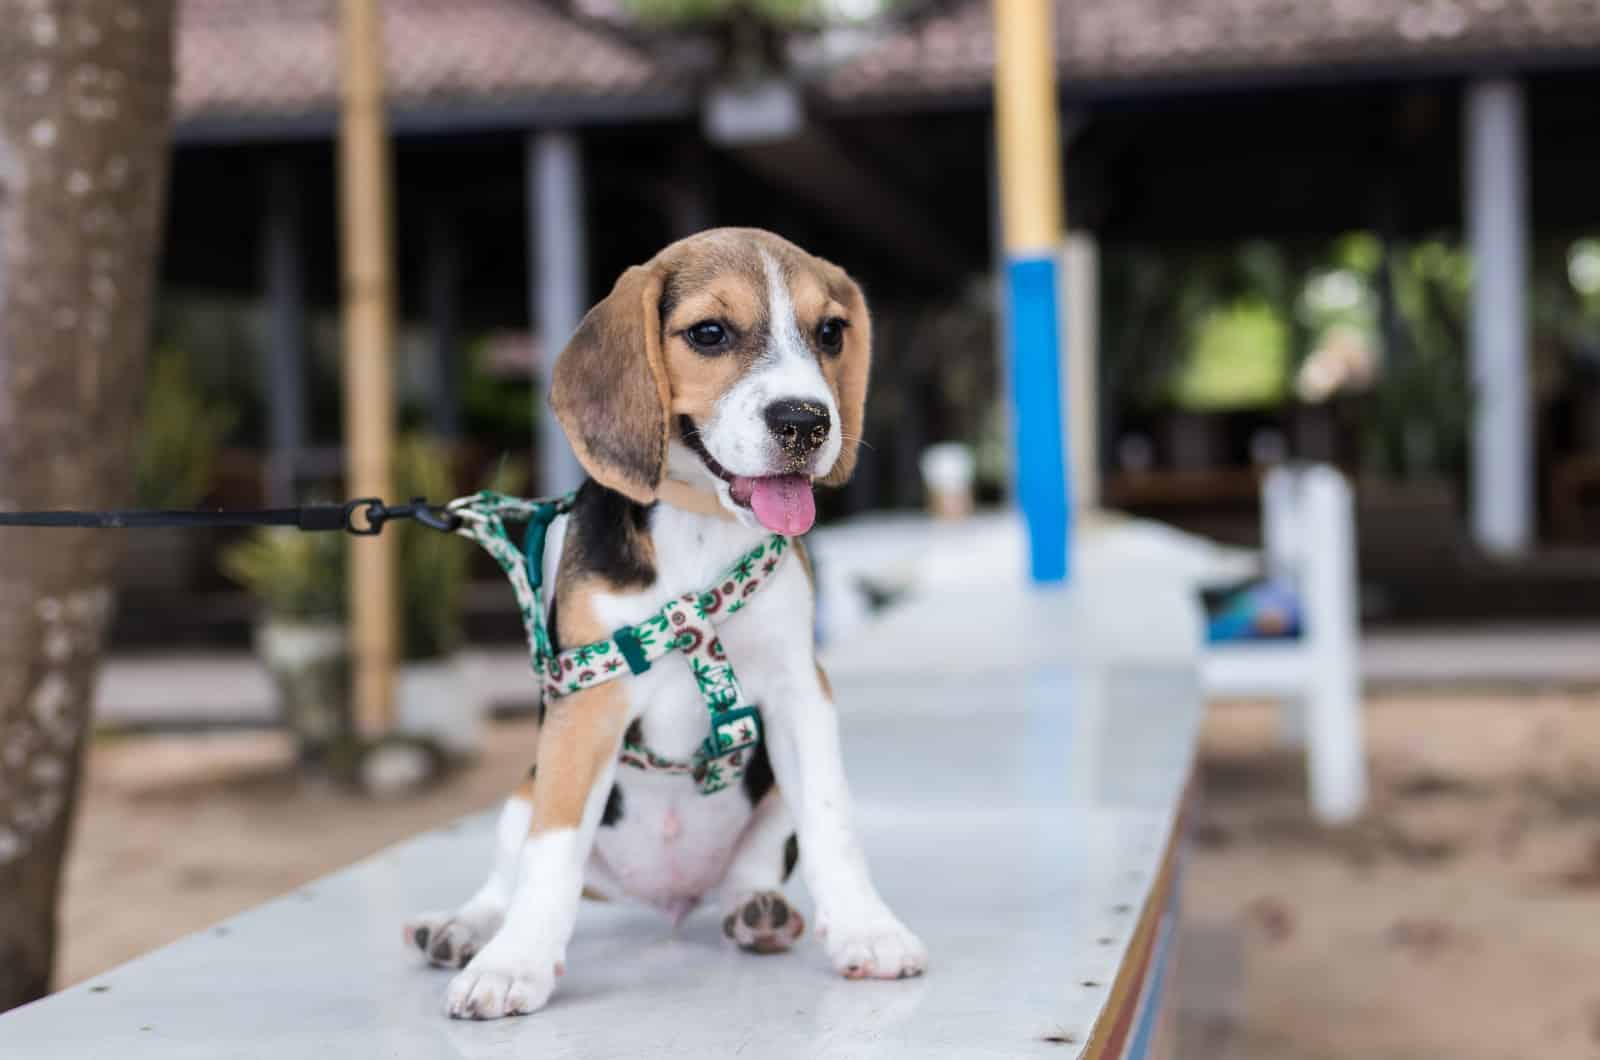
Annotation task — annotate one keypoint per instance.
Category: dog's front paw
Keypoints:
(875, 946)
(492, 987)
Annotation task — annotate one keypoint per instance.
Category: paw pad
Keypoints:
(446, 941)
(764, 923)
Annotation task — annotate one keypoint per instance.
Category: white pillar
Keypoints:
(558, 298)
(1080, 374)
(1497, 227)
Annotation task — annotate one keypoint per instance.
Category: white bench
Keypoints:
(1019, 781)
(1308, 530)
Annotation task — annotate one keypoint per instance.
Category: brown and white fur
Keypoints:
(681, 437)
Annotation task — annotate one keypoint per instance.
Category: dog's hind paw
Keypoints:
(450, 940)
(764, 922)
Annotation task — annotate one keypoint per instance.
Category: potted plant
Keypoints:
(434, 699)
(300, 635)
(179, 439)
(1413, 422)
(1412, 429)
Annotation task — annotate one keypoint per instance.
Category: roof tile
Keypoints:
(279, 58)
(1110, 41)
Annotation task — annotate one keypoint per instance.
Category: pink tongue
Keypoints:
(783, 503)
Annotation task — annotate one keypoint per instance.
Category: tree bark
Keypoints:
(85, 88)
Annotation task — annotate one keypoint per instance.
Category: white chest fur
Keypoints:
(671, 844)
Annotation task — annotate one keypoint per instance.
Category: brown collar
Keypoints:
(689, 498)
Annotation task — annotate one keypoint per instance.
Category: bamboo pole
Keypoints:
(1028, 125)
(1028, 134)
(369, 403)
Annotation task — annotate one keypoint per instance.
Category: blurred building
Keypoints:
(1198, 122)
(542, 147)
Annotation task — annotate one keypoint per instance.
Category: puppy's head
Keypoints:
(732, 360)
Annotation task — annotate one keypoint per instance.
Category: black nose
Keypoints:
(799, 426)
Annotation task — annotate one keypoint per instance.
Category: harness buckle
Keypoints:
(733, 731)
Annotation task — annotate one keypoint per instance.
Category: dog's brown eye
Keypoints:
(830, 335)
(707, 336)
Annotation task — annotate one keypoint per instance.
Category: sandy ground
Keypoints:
(1456, 921)
(178, 832)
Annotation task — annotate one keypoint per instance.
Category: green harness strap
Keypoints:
(686, 623)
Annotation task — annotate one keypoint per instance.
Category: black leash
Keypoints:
(364, 517)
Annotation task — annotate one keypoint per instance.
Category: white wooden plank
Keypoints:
(1011, 864)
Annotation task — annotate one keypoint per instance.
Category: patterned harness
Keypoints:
(685, 623)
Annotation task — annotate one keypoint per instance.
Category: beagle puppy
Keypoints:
(706, 396)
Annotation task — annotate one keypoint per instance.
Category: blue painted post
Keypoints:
(1028, 136)
(1033, 287)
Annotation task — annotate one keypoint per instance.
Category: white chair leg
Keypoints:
(1292, 722)
(1337, 766)
(1283, 535)
(1337, 763)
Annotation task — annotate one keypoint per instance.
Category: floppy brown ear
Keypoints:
(610, 389)
(855, 366)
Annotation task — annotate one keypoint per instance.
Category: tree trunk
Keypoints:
(84, 97)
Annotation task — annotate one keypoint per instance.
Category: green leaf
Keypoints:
(182, 431)
(294, 575)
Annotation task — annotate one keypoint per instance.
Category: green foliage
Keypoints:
(1432, 281)
(296, 576)
(1343, 292)
(433, 566)
(300, 576)
(221, 335)
(180, 436)
(1220, 327)
(1566, 310)
(1414, 422)
(1206, 328)
(500, 408)
(1583, 271)
(1361, 251)
(1239, 358)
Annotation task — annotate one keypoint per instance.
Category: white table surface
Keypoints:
(1015, 816)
